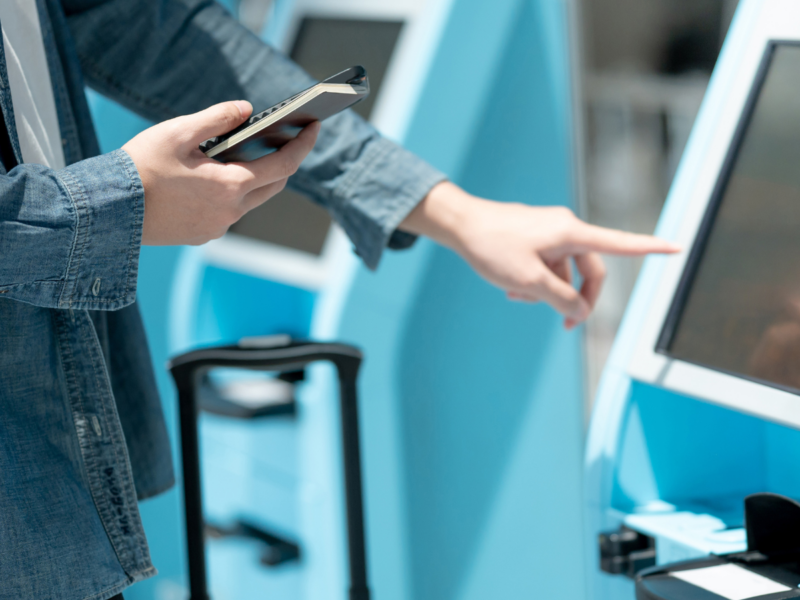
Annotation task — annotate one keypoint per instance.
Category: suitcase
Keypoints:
(286, 356)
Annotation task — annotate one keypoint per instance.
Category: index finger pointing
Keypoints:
(591, 238)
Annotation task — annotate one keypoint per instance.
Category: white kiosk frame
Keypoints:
(775, 21)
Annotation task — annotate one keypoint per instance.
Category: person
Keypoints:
(82, 434)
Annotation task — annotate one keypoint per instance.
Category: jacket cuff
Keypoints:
(108, 197)
(378, 194)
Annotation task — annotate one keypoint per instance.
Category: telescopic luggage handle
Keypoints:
(287, 355)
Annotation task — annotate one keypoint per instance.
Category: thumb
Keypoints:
(217, 120)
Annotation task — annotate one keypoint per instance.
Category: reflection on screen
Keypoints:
(323, 46)
(742, 310)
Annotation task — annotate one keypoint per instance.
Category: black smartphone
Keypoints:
(270, 129)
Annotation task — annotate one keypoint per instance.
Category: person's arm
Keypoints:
(527, 251)
(70, 238)
(164, 58)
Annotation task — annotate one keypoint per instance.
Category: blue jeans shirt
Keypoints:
(82, 434)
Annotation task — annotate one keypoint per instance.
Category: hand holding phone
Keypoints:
(191, 199)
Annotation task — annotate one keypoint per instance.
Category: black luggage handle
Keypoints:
(289, 355)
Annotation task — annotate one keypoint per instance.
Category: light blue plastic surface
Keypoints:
(471, 405)
(659, 461)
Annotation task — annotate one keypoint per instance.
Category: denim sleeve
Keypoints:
(70, 238)
(164, 58)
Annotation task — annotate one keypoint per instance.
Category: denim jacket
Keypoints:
(82, 434)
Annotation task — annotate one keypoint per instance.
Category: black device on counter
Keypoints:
(768, 570)
(270, 129)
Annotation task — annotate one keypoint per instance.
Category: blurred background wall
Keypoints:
(646, 66)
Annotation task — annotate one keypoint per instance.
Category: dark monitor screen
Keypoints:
(322, 46)
(738, 305)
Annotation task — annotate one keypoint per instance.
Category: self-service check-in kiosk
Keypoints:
(699, 405)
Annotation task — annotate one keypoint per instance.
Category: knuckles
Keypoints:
(233, 182)
(565, 224)
(286, 167)
(531, 281)
(227, 185)
(230, 116)
(564, 212)
(178, 130)
(225, 117)
(219, 233)
(564, 217)
(228, 213)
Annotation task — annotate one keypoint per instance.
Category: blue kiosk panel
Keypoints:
(484, 408)
(695, 413)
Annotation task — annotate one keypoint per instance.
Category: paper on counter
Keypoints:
(731, 582)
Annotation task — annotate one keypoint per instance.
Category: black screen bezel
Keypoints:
(679, 300)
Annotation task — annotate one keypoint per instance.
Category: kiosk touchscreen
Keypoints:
(699, 406)
(729, 331)
(737, 309)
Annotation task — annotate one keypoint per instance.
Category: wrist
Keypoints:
(443, 215)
